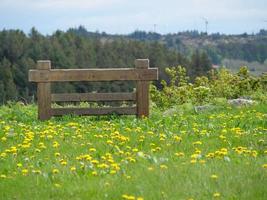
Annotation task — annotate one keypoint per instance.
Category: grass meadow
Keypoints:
(218, 154)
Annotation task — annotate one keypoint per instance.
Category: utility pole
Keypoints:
(155, 27)
(206, 24)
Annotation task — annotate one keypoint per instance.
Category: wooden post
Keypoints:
(44, 91)
(142, 90)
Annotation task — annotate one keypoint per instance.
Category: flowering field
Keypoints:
(219, 154)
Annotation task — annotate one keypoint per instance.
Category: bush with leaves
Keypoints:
(218, 84)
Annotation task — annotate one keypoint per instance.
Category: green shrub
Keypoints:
(219, 84)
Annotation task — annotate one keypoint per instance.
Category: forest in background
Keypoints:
(246, 47)
(19, 53)
(79, 48)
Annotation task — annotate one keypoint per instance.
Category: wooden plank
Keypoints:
(44, 93)
(94, 111)
(93, 97)
(142, 90)
(61, 75)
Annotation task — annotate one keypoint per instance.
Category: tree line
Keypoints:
(247, 47)
(19, 53)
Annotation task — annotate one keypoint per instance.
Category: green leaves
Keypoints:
(219, 84)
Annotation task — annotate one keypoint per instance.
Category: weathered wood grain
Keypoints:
(44, 75)
(63, 75)
(44, 93)
(77, 97)
(94, 111)
(142, 90)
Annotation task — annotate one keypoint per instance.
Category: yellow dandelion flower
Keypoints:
(63, 162)
(37, 150)
(177, 138)
(73, 169)
(25, 172)
(57, 185)
(158, 148)
(216, 194)
(92, 149)
(179, 154)
(94, 161)
(113, 172)
(19, 165)
(7, 128)
(56, 144)
(195, 156)
(49, 136)
(128, 197)
(150, 168)
(124, 196)
(163, 167)
(264, 166)
(55, 171)
(210, 155)
(131, 159)
(214, 176)
(25, 146)
(3, 155)
(202, 161)
(109, 142)
(197, 143)
(254, 153)
(2, 176)
(57, 154)
(153, 150)
(94, 173)
(224, 131)
(36, 171)
(222, 137)
(42, 145)
(193, 161)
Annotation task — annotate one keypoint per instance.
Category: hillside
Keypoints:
(79, 48)
(19, 52)
(250, 49)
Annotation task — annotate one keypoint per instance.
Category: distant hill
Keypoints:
(79, 48)
(82, 49)
(250, 49)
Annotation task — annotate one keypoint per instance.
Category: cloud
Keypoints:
(60, 4)
(125, 16)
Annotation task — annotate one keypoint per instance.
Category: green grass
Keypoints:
(136, 158)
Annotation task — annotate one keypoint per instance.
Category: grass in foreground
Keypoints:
(212, 155)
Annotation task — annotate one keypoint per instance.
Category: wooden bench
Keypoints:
(44, 75)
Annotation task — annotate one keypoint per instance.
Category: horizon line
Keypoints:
(129, 33)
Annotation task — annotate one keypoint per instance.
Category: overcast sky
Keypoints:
(125, 16)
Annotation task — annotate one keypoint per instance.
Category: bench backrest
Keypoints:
(44, 75)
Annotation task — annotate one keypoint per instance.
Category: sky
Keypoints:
(126, 16)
